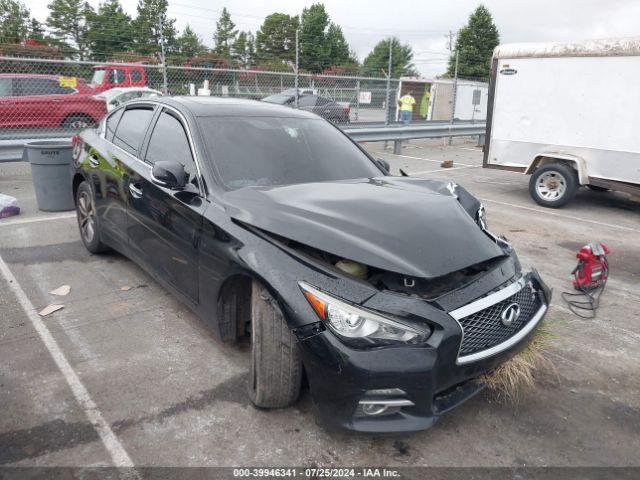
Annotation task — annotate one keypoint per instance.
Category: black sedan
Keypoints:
(328, 109)
(272, 225)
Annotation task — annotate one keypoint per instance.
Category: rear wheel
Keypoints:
(276, 366)
(77, 120)
(88, 220)
(553, 185)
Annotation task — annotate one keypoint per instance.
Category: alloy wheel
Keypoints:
(86, 216)
(551, 186)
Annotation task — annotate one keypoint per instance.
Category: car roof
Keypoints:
(225, 107)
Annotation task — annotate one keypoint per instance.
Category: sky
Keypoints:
(422, 24)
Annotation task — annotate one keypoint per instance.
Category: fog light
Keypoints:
(372, 409)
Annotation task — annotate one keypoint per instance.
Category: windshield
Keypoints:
(98, 77)
(261, 151)
(279, 98)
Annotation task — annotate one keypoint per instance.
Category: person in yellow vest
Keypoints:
(406, 107)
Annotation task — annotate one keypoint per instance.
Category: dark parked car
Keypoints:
(47, 101)
(271, 224)
(333, 111)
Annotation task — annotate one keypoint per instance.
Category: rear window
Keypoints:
(131, 128)
(136, 76)
(260, 151)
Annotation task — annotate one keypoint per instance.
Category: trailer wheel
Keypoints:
(553, 185)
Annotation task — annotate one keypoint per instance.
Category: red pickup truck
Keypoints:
(47, 101)
(115, 75)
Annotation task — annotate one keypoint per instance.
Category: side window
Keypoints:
(131, 129)
(6, 87)
(136, 76)
(112, 123)
(116, 75)
(169, 142)
(323, 101)
(29, 87)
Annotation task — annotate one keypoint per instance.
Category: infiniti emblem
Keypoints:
(510, 314)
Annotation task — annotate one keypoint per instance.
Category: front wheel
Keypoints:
(276, 365)
(553, 185)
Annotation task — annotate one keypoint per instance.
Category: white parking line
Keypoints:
(112, 444)
(562, 215)
(20, 221)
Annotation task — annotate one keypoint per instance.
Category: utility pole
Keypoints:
(455, 92)
(450, 45)
(297, 64)
(163, 56)
(386, 122)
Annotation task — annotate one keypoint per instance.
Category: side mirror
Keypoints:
(384, 165)
(169, 174)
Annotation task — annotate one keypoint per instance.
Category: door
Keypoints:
(112, 169)
(164, 225)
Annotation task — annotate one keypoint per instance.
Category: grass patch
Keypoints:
(517, 376)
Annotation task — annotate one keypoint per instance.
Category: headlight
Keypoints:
(358, 327)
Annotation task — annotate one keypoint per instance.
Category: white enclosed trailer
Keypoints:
(568, 114)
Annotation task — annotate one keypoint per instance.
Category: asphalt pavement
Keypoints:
(125, 375)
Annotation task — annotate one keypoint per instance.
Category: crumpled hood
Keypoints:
(414, 227)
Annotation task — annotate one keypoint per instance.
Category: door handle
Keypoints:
(94, 161)
(135, 190)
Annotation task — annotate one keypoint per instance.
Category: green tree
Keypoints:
(189, 44)
(377, 62)
(276, 38)
(475, 43)
(243, 49)
(68, 20)
(152, 14)
(337, 50)
(110, 30)
(225, 34)
(14, 21)
(36, 31)
(313, 45)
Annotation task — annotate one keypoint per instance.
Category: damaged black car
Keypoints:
(388, 294)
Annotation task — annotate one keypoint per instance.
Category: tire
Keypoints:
(553, 185)
(88, 220)
(276, 365)
(77, 120)
(596, 188)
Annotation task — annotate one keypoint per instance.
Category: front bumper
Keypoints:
(431, 377)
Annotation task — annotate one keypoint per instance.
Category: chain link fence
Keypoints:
(45, 98)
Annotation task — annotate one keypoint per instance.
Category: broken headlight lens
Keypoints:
(358, 327)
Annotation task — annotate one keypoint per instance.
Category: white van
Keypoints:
(568, 114)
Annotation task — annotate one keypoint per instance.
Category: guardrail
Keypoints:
(407, 132)
(11, 150)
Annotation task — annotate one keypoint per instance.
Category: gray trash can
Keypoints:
(51, 171)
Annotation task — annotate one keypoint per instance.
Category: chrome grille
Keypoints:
(484, 329)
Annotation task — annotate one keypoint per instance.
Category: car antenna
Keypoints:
(403, 173)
